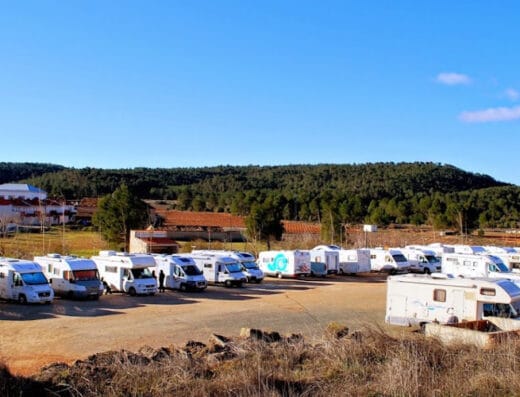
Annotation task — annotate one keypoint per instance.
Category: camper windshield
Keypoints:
(502, 310)
(191, 270)
(141, 273)
(34, 278)
(233, 267)
(250, 265)
(432, 259)
(498, 267)
(399, 258)
(85, 275)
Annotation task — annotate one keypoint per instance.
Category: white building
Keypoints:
(21, 190)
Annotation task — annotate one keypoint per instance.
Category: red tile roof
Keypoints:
(174, 218)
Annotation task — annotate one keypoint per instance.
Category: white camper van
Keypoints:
(71, 277)
(246, 260)
(469, 265)
(354, 261)
(126, 272)
(416, 299)
(508, 255)
(220, 269)
(468, 249)
(439, 249)
(329, 257)
(422, 260)
(181, 272)
(392, 261)
(24, 281)
(287, 263)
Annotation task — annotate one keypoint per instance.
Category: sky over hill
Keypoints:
(122, 84)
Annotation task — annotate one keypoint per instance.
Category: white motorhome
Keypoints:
(126, 272)
(468, 249)
(181, 272)
(288, 263)
(220, 269)
(246, 259)
(439, 249)
(470, 265)
(329, 257)
(24, 281)
(422, 260)
(392, 261)
(71, 277)
(416, 299)
(354, 261)
(508, 255)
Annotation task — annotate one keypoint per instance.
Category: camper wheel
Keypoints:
(227, 283)
(279, 275)
(132, 291)
(22, 299)
(426, 271)
(182, 287)
(70, 295)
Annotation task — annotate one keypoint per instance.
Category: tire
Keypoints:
(427, 271)
(258, 281)
(182, 287)
(132, 291)
(227, 284)
(393, 272)
(70, 295)
(22, 299)
(279, 275)
(341, 272)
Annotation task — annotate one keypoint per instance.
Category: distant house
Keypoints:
(26, 205)
(21, 190)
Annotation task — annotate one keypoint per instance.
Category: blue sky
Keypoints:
(123, 84)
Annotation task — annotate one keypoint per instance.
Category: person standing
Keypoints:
(161, 281)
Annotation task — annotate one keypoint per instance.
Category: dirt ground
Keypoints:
(35, 335)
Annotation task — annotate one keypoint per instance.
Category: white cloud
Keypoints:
(491, 114)
(512, 94)
(453, 78)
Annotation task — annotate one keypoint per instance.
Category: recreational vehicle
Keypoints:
(220, 269)
(181, 272)
(285, 263)
(422, 260)
(392, 261)
(71, 277)
(416, 299)
(329, 257)
(126, 272)
(354, 261)
(24, 281)
(469, 265)
(508, 255)
(468, 249)
(246, 260)
(439, 249)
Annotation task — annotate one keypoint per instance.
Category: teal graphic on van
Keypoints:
(279, 263)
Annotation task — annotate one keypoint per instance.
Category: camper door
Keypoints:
(178, 276)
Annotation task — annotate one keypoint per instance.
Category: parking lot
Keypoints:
(34, 335)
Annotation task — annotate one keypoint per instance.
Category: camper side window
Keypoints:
(110, 269)
(17, 280)
(49, 268)
(439, 295)
(208, 265)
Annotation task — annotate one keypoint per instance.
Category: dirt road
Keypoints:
(35, 335)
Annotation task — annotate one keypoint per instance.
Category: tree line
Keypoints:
(439, 195)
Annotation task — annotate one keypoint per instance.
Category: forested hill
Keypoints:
(381, 193)
(373, 180)
(13, 172)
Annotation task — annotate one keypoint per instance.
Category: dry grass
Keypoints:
(27, 245)
(364, 363)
